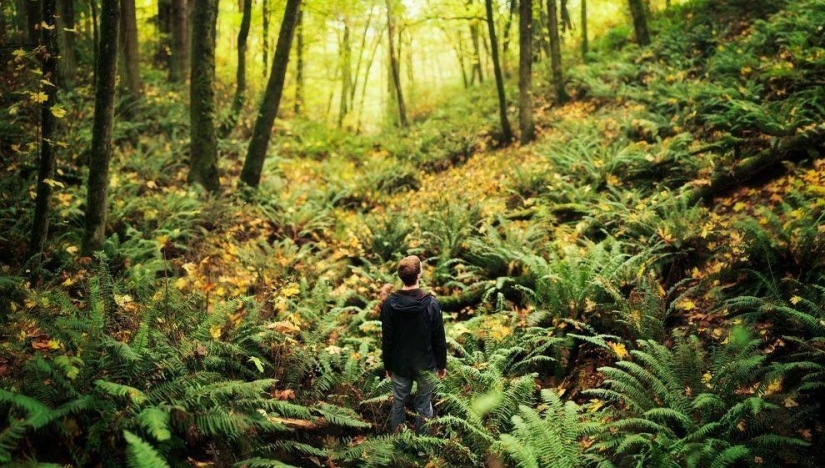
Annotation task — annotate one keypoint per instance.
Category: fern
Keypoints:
(141, 454)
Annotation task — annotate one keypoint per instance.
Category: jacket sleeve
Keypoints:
(386, 335)
(439, 342)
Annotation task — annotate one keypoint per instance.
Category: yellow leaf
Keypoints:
(687, 304)
(790, 403)
(72, 249)
(122, 300)
(53, 183)
(775, 386)
(290, 290)
(46, 25)
(20, 53)
(619, 350)
(58, 111)
(215, 331)
(39, 97)
(795, 300)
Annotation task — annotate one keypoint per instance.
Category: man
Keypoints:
(412, 344)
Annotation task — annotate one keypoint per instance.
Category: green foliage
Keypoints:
(141, 454)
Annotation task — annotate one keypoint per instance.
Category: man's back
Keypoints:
(413, 333)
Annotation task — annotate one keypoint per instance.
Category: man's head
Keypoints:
(409, 270)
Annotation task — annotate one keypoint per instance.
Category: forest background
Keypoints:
(619, 206)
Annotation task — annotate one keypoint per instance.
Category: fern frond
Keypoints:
(141, 454)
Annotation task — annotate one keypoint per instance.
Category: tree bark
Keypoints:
(299, 65)
(637, 14)
(66, 38)
(360, 61)
(163, 22)
(394, 73)
(95, 31)
(505, 46)
(101, 153)
(366, 78)
(240, 73)
(506, 131)
(34, 16)
(40, 224)
(585, 45)
(265, 12)
(525, 69)
(131, 59)
(474, 37)
(346, 74)
(179, 61)
(203, 157)
(555, 52)
(255, 156)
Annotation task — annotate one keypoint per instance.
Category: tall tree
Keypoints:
(179, 61)
(131, 59)
(255, 156)
(395, 76)
(66, 39)
(525, 70)
(505, 46)
(476, 70)
(265, 42)
(585, 45)
(49, 53)
(34, 18)
(506, 132)
(637, 14)
(203, 147)
(555, 52)
(346, 73)
(101, 153)
(299, 65)
(240, 72)
(163, 23)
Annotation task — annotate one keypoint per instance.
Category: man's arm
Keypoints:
(386, 337)
(439, 342)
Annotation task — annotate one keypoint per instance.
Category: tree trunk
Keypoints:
(346, 74)
(163, 22)
(366, 78)
(299, 65)
(265, 41)
(34, 16)
(505, 46)
(637, 13)
(240, 73)
(360, 61)
(131, 60)
(555, 52)
(95, 31)
(394, 73)
(203, 157)
(179, 61)
(255, 156)
(101, 153)
(460, 52)
(506, 132)
(585, 45)
(68, 57)
(525, 69)
(40, 224)
(477, 69)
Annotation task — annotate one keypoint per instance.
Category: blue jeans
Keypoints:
(401, 389)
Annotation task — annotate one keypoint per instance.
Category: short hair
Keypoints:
(409, 269)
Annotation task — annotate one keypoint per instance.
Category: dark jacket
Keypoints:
(412, 338)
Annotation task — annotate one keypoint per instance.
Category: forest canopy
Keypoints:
(617, 203)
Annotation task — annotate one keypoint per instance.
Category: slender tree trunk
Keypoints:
(265, 12)
(346, 74)
(505, 46)
(34, 17)
(637, 13)
(460, 52)
(40, 224)
(360, 60)
(525, 70)
(95, 31)
(203, 157)
(299, 66)
(394, 73)
(506, 132)
(240, 73)
(179, 62)
(566, 23)
(585, 45)
(66, 38)
(163, 22)
(98, 187)
(555, 52)
(131, 60)
(254, 163)
(366, 78)
(477, 69)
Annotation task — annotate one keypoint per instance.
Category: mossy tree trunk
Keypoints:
(49, 53)
(203, 148)
(255, 156)
(66, 38)
(101, 153)
(179, 30)
(346, 74)
(527, 126)
(584, 44)
(299, 65)
(555, 52)
(395, 75)
(163, 23)
(506, 131)
(131, 58)
(637, 14)
(240, 73)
